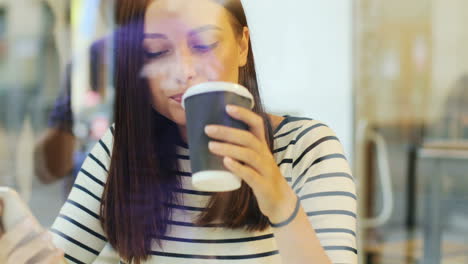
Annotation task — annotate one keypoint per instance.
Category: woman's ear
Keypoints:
(244, 47)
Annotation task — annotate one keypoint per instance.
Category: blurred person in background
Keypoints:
(297, 203)
(60, 152)
(61, 149)
(29, 72)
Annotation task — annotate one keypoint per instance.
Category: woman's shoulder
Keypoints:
(297, 137)
(108, 137)
(311, 148)
(105, 141)
(102, 150)
(296, 127)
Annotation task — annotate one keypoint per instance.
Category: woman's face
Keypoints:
(188, 42)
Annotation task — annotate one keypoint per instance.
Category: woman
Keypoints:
(297, 201)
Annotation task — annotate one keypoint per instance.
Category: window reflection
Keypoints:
(411, 130)
(410, 113)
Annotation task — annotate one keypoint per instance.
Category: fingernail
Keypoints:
(211, 145)
(229, 161)
(231, 109)
(210, 129)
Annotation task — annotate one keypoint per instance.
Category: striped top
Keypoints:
(309, 156)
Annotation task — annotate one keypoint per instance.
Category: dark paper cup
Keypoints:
(205, 104)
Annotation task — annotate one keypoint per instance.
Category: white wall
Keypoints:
(303, 55)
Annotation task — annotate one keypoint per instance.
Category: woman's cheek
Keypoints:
(158, 75)
(211, 69)
(223, 66)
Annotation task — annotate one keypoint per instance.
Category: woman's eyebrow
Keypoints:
(203, 28)
(154, 35)
(191, 32)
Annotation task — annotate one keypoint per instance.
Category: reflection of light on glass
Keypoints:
(390, 65)
(24, 164)
(85, 27)
(420, 53)
(84, 15)
(76, 7)
(99, 127)
(92, 99)
(88, 25)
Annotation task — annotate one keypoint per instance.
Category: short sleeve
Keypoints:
(321, 177)
(77, 229)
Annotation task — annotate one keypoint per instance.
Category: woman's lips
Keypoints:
(177, 98)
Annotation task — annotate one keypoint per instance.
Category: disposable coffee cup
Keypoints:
(205, 104)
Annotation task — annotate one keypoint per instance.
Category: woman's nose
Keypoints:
(185, 69)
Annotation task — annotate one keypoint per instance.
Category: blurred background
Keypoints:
(390, 77)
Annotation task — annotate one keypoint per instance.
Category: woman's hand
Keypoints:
(247, 155)
(18, 247)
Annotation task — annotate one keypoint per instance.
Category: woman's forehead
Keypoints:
(164, 15)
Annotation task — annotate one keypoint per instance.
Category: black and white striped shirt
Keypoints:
(309, 156)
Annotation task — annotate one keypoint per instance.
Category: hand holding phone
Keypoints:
(22, 239)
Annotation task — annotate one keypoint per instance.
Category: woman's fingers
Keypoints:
(17, 234)
(32, 248)
(249, 175)
(234, 136)
(243, 154)
(254, 121)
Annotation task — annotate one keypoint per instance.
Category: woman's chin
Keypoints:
(179, 118)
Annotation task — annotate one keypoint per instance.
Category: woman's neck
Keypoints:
(183, 133)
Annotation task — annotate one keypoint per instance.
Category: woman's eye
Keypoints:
(204, 48)
(155, 55)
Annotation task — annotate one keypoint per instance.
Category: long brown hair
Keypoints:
(142, 170)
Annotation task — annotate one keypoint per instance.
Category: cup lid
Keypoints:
(218, 87)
